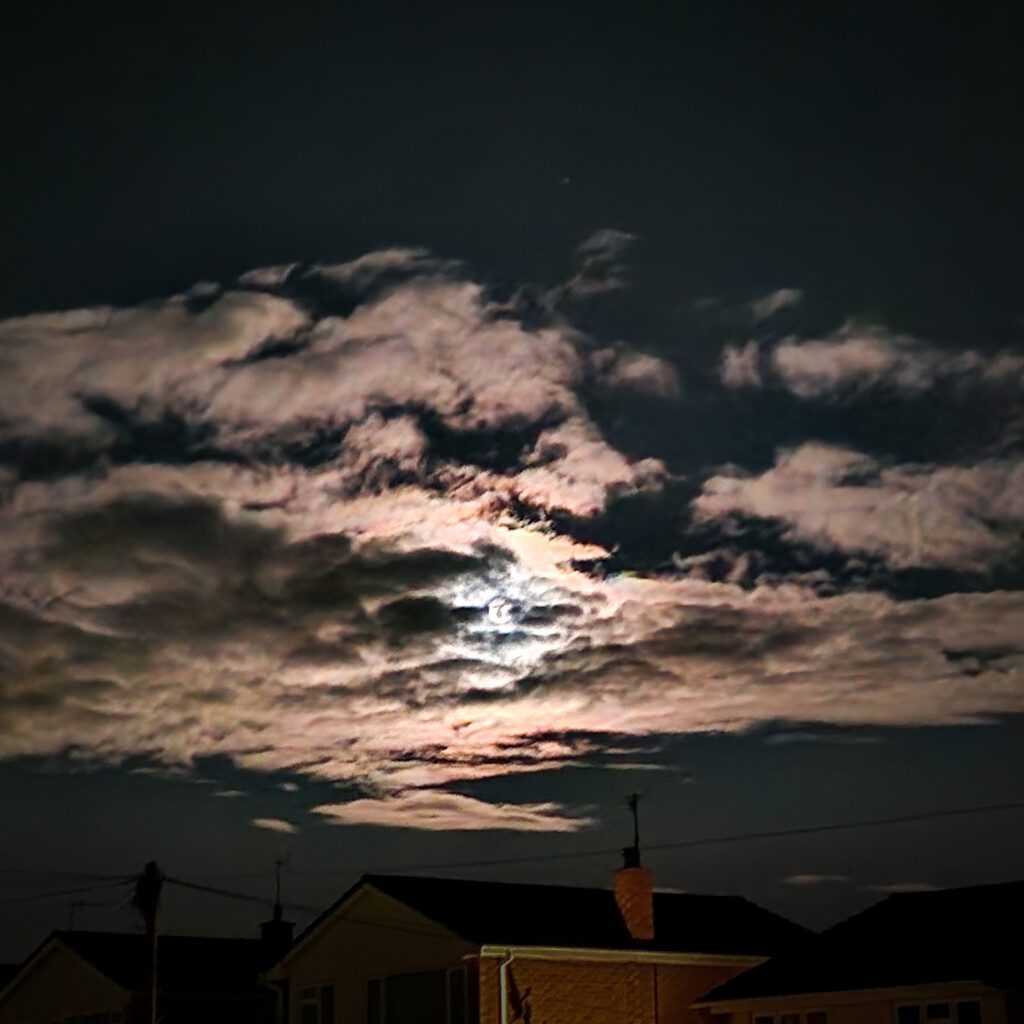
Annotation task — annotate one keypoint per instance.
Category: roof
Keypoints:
(514, 914)
(187, 964)
(906, 939)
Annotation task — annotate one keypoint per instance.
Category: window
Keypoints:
(316, 1005)
(966, 1012)
(424, 997)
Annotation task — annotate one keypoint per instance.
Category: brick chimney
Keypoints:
(275, 937)
(634, 891)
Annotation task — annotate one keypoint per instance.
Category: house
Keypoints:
(950, 955)
(81, 977)
(410, 950)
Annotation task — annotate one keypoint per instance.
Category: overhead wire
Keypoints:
(683, 843)
(54, 893)
(233, 894)
(112, 881)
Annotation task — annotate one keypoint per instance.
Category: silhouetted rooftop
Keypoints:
(906, 939)
(515, 914)
(187, 964)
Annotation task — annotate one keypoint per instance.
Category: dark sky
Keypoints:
(637, 403)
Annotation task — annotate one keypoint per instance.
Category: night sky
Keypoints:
(423, 425)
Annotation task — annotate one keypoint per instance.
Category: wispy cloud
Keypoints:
(897, 887)
(275, 825)
(812, 880)
(438, 811)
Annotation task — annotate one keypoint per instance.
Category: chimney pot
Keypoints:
(634, 894)
(276, 937)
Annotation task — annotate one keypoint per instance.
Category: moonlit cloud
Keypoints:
(963, 517)
(275, 825)
(859, 359)
(897, 887)
(810, 880)
(450, 812)
(770, 304)
(358, 523)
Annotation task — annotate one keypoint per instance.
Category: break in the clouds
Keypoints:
(359, 522)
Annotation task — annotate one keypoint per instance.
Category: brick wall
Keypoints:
(568, 992)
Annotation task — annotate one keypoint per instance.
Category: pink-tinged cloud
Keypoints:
(440, 811)
(275, 825)
(966, 517)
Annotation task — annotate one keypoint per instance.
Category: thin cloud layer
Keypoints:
(450, 812)
(968, 518)
(362, 522)
(859, 359)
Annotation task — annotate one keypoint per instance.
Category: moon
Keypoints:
(499, 611)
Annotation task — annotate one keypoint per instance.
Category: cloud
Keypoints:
(812, 880)
(768, 305)
(963, 517)
(620, 370)
(898, 887)
(600, 267)
(741, 366)
(274, 523)
(859, 360)
(439, 811)
(274, 825)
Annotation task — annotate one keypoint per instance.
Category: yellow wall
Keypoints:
(567, 992)
(59, 985)
(377, 936)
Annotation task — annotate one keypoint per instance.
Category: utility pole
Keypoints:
(147, 901)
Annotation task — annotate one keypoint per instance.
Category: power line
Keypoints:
(61, 873)
(568, 855)
(691, 843)
(52, 894)
(232, 894)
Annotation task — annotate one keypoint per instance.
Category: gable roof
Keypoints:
(7, 972)
(187, 964)
(516, 914)
(906, 939)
